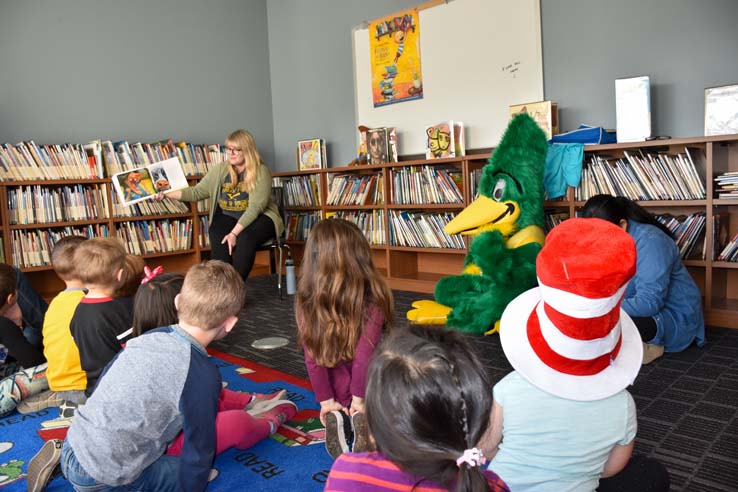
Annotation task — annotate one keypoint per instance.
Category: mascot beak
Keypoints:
(484, 214)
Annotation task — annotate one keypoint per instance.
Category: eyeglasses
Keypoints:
(232, 150)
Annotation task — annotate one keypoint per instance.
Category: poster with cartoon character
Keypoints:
(394, 44)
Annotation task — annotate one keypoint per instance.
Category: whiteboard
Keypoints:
(478, 57)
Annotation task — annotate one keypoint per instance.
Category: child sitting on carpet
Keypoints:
(119, 437)
(67, 379)
(100, 318)
(563, 420)
(341, 306)
(22, 366)
(427, 406)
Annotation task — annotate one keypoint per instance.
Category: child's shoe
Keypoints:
(38, 402)
(260, 402)
(67, 408)
(337, 433)
(279, 412)
(361, 433)
(41, 467)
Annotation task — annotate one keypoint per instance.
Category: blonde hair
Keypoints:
(102, 258)
(133, 272)
(338, 280)
(212, 292)
(62, 257)
(252, 159)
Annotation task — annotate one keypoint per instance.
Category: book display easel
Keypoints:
(403, 206)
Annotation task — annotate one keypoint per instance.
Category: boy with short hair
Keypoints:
(119, 438)
(100, 317)
(67, 380)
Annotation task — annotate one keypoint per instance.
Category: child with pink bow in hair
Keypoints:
(563, 419)
(427, 407)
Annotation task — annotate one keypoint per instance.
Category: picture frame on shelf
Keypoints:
(311, 154)
(633, 109)
(721, 110)
(377, 146)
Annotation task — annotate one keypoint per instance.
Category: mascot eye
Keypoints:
(499, 190)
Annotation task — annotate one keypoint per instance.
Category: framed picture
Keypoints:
(377, 146)
(721, 110)
(633, 108)
(311, 154)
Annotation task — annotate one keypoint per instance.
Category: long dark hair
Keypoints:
(153, 305)
(616, 208)
(428, 400)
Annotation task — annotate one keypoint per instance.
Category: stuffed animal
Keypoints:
(507, 222)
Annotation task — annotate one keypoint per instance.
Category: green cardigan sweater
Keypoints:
(260, 198)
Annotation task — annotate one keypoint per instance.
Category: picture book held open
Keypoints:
(144, 183)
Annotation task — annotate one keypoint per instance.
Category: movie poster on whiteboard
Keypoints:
(394, 53)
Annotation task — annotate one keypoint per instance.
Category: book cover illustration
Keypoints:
(310, 154)
(545, 113)
(377, 146)
(440, 141)
(144, 182)
(721, 110)
(394, 54)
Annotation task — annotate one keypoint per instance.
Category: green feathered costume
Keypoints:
(507, 220)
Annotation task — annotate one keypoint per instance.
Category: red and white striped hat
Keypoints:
(568, 336)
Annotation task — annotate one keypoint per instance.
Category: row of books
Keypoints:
(298, 224)
(203, 232)
(299, 191)
(32, 248)
(28, 161)
(41, 205)
(97, 159)
(688, 232)
(422, 230)
(155, 236)
(426, 184)
(195, 159)
(726, 185)
(730, 251)
(642, 176)
(356, 189)
(552, 219)
(371, 223)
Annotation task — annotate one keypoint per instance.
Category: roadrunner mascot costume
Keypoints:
(507, 222)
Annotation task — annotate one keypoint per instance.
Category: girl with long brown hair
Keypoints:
(342, 305)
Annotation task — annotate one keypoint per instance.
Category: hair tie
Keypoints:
(472, 457)
(150, 274)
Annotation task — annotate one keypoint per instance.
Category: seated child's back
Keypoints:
(100, 318)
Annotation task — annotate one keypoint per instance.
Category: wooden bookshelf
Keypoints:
(418, 269)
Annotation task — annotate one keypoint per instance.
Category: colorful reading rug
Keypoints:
(292, 459)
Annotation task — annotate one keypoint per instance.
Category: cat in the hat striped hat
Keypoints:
(563, 419)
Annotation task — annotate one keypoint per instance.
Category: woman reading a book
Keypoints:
(243, 214)
(662, 299)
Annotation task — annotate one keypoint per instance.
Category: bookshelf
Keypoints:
(419, 268)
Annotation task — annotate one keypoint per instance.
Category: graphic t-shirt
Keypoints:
(233, 200)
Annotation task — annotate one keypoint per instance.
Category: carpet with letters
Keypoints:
(293, 457)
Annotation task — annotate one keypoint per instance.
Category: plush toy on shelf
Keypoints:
(507, 222)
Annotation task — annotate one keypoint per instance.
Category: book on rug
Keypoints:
(143, 183)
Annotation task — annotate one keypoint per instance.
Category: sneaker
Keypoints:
(279, 412)
(42, 466)
(652, 352)
(361, 434)
(260, 403)
(43, 400)
(337, 433)
(67, 408)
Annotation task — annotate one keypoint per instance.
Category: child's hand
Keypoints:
(357, 405)
(327, 406)
(230, 240)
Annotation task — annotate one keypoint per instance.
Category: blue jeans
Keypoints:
(162, 475)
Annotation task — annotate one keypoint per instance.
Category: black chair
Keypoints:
(279, 243)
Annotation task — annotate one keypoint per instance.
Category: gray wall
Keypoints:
(74, 70)
(683, 45)
(312, 73)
